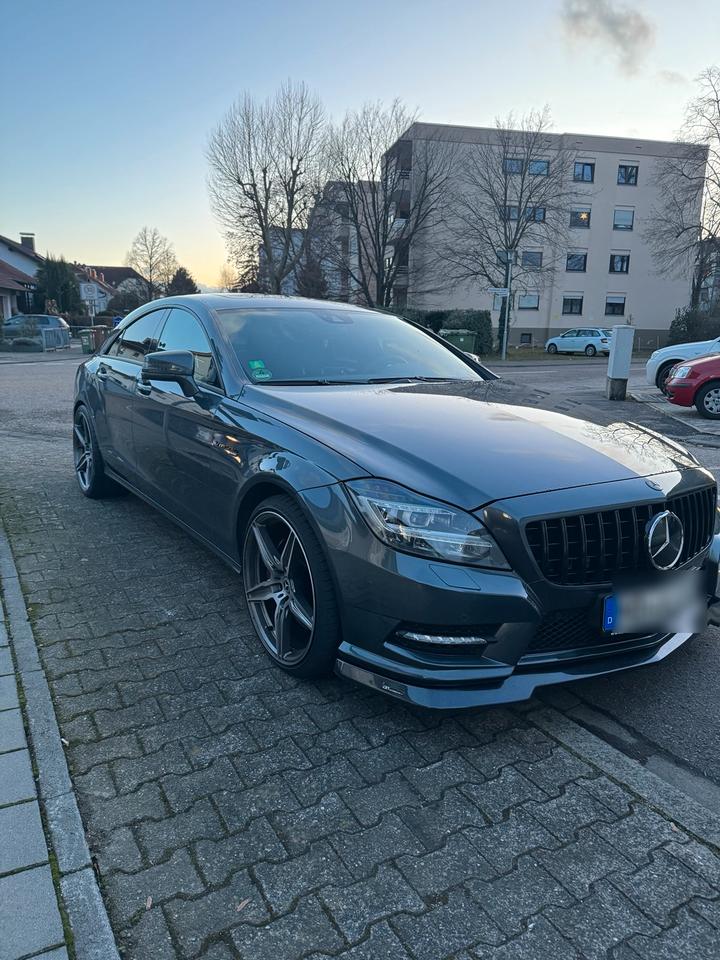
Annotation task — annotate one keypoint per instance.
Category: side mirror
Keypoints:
(174, 366)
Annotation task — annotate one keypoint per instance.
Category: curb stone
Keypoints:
(92, 934)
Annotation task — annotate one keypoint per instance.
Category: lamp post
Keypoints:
(508, 301)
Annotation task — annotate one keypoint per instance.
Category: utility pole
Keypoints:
(508, 263)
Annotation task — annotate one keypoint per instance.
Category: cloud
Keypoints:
(627, 33)
(673, 77)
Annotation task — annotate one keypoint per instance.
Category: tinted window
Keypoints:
(572, 305)
(326, 343)
(532, 258)
(139, 338)
(539, 168)
(183, 332)
(584, 172)
(627, 174)
(623, 219)
(576, 262)
(615, 306)
(619, 262)
(580, 218)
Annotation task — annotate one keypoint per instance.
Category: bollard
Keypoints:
(619, 361)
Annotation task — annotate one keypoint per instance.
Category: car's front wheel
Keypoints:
(289, 590)
(89, 466)
(663, 375)
(552, 348)
(707, 400)
(590, 350)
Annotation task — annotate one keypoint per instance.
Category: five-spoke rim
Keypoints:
(711, 400)
(279, 587)
(82, 451)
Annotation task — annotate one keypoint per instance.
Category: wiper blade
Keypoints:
(304, 383)
(413, 380)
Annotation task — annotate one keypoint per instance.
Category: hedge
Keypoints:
(479, 321)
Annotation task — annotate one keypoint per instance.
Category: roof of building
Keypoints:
(13, 279)
(19, 248)
(114, 275)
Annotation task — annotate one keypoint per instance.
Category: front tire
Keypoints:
(552, 348)
(288, 589)
(590, 350)
(707, 400)
(662, 375)
(89, 466)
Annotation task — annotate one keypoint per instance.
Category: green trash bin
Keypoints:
(86, 340)
(462, 339)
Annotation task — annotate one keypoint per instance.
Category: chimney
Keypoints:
(28, 240)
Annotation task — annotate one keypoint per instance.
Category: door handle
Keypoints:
(144, 388)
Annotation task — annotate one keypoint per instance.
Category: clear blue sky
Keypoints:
(107, 105)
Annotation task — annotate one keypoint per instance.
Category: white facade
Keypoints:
(617, 189)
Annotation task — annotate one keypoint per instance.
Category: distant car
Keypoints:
(28, 327)
(587, 340)
(663, 360)
(696, 382)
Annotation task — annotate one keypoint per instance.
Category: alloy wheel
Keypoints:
(711, 401)
(83, 451)
(279, 587)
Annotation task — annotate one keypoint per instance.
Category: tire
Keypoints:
(552, 348)
(662, 374)
(707, 400)
(304, 594)
(92, 480)
(590, 350)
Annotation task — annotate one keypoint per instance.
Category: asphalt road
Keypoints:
(665, 715)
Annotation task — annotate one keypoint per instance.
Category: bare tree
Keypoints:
(266, 171)
(153, 256)
(512, 196)
(684, 227)
(382, 206)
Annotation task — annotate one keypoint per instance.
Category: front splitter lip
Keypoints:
(515, 688)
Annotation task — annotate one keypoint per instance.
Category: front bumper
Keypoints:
(384, 594)
(681, 392)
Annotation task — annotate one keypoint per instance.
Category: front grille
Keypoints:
(592, 547)
(572, 630)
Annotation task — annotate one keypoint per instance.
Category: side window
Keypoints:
(139, 338)
(183, 332)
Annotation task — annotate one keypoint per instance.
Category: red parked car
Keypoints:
(696, 382)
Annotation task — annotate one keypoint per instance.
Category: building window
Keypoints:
(529, 301)
(512, 165)
(539, 168)
(627, 174)
(623, 219)
(535, 213)
(498, 301)
(614, 306)
(504, 255)
(576, 262)
(584, 172)
(512, 211)
(619, 262)
(580, 218)
(572, 304)
(532, 259)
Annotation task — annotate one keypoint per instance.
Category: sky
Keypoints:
(106, 105)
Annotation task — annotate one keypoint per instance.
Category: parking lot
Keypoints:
(235, 812)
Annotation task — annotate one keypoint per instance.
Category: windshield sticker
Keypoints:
(262, 373)
(256, 364)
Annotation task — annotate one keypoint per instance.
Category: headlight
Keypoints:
(425, 527)
(680, 372)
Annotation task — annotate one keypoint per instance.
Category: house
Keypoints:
(18, 266)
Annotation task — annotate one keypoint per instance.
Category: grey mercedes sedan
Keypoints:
(391, 521)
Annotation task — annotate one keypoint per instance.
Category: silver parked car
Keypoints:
(587, 340)
(36, 328)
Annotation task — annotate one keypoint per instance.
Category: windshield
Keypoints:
(335, 345)
(607, 333)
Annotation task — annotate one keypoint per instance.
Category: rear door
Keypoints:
(186, 460)
(116, 376)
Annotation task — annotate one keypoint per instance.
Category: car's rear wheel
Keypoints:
(707, 400)
(89, 466)
(552, 348)
(661, 377)
(289, 590)
(590, 350)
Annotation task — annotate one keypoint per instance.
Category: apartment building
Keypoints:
(597, 268)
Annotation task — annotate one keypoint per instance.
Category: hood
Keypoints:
(706, 365)
(685, 350)
(448, 441)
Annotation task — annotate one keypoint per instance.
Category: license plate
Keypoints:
(673, 605)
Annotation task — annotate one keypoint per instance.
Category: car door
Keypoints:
(568, 341)
(116, 376)
(183, 454)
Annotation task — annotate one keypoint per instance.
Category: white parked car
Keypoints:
(663, 360)
(587, 340)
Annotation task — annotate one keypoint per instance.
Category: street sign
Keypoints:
(499, 291)
(87, 291)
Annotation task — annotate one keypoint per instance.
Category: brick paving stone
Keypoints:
(601, 921)
(433, 779)
(698, 858)
(583, 861)
(22, 841)
(433, 822)
(327, 816)
(7, 668)
(538, 941)
(502, 843)
(16, 778)
(306, 927)
(690, 937)
(373, 764)
(239, 808)
(8, 693)
(556, 771)
(370, 802)
(199, 822)
(86, 756)
(574, 809)
(310, 785)
(638, 834)
(433, 873)
(363, 850)
(662, 885)
(118, 851)
(18, 938)
(433, 744)
(144, 803)
(619, 800)
(148, 938)
(495, 797)
(183, 789)
(129, 892)
(454, 925)
(382, 944)
(130, 774)
(288, 880)
(504, 750)
(355, 907)
(218, 859)
(97, 782)
(708, 910)
(254, 768)
(12, 732)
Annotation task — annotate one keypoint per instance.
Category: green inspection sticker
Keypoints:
(256, 364)
(262, 374)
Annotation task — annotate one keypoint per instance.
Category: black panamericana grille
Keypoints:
(592, 547)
